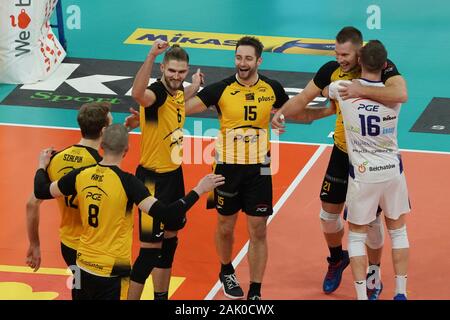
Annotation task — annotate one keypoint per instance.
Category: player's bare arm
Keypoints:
(394, 92)
(140, 93)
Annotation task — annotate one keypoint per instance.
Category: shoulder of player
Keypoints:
(329, 67)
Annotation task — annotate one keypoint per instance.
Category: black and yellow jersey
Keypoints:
(106, 195)
(331, 71)
(162, 130)
(244, 115)
(64, 161)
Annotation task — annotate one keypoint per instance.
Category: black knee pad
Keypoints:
(169, 246)
(144, 264)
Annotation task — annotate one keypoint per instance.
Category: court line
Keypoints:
(210, 137)
(21, 269)
(276, 208)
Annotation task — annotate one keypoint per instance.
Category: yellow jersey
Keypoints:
(244, 116)
(106, 195)
(162, 130)
(64, 161)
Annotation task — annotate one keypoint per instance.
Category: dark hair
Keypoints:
(373, 56)
(175, 52)
(350, 34)
(115, 139)
(92, 118)
(253, 42)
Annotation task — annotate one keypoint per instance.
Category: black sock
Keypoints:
(161, 295)
(336, 253)
(227, 268)
(255, 289)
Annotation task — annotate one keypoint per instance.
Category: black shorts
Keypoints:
(245, 188)
(166, 187)
(334, 186)
(69, 255)
(93, 287)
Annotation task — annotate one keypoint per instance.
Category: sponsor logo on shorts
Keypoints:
(262, 208)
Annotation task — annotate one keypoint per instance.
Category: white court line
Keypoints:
(276, 208)
(210, 137)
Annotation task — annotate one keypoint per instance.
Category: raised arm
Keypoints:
(140, 93)
(197, 80)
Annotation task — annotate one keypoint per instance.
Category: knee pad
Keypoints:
(356, 244)
(168, 249)
(144, 264)
(375, 234)
(399, 238)
(331, 223)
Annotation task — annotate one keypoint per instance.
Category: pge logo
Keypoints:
(262, 208)
(369, 107)
(94, 196)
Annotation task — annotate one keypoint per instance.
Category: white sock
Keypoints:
(361, 290)
(400, 284)
(374, 276)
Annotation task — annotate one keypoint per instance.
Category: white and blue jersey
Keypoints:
(371, 135)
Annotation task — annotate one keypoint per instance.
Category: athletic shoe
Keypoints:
(334, 274)
(230, 286)
(400, 296)
(254, 297)
(373, 291)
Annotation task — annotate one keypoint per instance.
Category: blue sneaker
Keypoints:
(334, 274)
(400, 296)
(374, 293)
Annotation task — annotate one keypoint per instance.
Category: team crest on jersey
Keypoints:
(362, 167)
(250, 96)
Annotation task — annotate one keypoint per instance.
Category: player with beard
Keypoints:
(244, 102)
(349, 41)
(161, 119)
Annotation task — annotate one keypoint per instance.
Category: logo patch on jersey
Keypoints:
(362, 167)
(262, 98)
(235, 92)
(389, 117)
(250, 96)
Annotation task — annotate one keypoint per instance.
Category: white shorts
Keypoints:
(363, 199)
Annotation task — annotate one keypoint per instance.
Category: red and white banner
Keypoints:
(29, 51)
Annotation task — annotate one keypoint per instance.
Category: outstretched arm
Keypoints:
(297, 108)
(177, 209)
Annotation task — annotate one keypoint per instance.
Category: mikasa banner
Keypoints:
(227, 41)
(29, 51)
